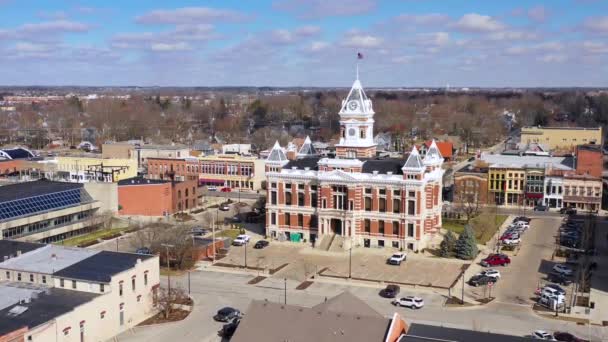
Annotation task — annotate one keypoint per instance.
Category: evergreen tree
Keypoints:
(448, 245)
(466, 246)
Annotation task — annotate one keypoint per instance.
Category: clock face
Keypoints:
(351, 132)
(352, 105)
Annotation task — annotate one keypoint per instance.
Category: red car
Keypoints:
(496, 260)
(226, 189)
(509, 236)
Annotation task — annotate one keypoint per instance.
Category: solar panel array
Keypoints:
(43, 203)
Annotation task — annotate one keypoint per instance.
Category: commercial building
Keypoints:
(561, 138)
(141, 152)
(46, 211)
(156, 197)
(471, 183)
(354, 200)
(589, 160)
(225, 170)
(54, 293)
(583, 192)
(86, 169)
(341, 318)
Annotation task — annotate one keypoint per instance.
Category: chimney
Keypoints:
(291, 155)
(54, 257)
(18, 253)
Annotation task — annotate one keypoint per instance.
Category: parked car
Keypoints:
(564, 270)
(522, 219)
(507, 236)
(568, 211)
(496, 260)
(490, 273)
(235, 219)
(550, 292)
(541, 208)
(143, 250)
(396, 259)
(479, 279)
(224, 206)
(558, 289)
(226, 314)
(558, 278)
(229, 329)
(543, 335)
(511, 241)
(198, 231)
(523, 224)
(409, 302)
(261, 244)
(211, 188)
(226, 189)
(567, 337)
(241, 240)
(547, 300)
(390, 291)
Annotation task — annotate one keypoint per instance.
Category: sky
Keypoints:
(405, 43)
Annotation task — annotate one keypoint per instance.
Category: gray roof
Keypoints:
(348, 303)
(501, 160)
(48, 259)
(44, 308)
(13, 293)
(10, 248)
(422, 332)
(25, 190)
(101, 266)
(272, 322)
(413, 161)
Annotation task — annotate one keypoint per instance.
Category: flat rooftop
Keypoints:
(563, 128)
(501, 160)
(44, 307)
(141, 181)
(422, 332)
(101, 266)
(12, 293)
(48, 259)
(10, 248)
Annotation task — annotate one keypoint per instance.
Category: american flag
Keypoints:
(359, 55)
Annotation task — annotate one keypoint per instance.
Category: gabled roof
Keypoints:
(413, 161)
(433, 156)
(445, 147)
(357, 95)
(277, 154)
(307, 149)
(348, 303)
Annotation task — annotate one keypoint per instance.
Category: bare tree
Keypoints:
(168, 299)
(466, 199)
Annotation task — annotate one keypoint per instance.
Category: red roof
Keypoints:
(445, 148)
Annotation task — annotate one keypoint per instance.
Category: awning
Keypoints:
(210, 180)
(534, 195)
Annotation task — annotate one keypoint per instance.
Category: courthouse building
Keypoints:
(355, 199)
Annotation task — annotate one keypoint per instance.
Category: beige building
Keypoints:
(86, 169)
(231, 170)
(51, 293)
(566, 138)
(141, 153)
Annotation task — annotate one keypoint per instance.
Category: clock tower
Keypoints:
(356, 125)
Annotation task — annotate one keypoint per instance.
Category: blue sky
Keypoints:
(304, 42)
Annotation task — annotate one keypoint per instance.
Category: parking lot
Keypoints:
(530, 264)
(364, 264)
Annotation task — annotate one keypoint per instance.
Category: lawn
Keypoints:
(481, 224)
(94, 236)
(230, 233)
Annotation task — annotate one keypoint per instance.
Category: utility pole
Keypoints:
(167, 246)
(213, 239)
(285, 286)
(462, 293)
(350, 262)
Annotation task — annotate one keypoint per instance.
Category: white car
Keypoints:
(512, 241)
(561, 269)
(397, 258)
(523, 224)
(552, 293)
(211, 188)
(410, 302)
(543, 335)
(490, 273)
(241, 240)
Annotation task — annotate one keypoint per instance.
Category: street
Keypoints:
(213, 290)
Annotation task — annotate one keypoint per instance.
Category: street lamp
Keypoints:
(167, 246)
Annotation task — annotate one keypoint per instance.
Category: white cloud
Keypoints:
(423, 19)
(512, 35)
(308, 30)
(550, 46)
(553, 58)
(185, 15)
(54, 26)
(317, 46)
(596, 24)
(31, 47)
(403, 59)
(436, 38)
(474, 22)
(53, 15)
(281, 36)
(325, 8)
(170, 47)
(538, 14)
(362, 41)
(595, 47)
(517, 50)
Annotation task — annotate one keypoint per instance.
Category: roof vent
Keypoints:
(54, 256)
(16, 311)
(139, 261)
(307, 168)
(389, 173)
(375, 172)
(6, 257)
(294, 167)
(18, 253)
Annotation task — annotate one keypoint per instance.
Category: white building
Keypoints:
(53, 293)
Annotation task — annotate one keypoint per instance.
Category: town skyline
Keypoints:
(292, 43)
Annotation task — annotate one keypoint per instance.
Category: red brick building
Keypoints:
(153, 197)
(589, 160)
(354, 200)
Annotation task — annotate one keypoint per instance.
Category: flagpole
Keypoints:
(357, 68)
